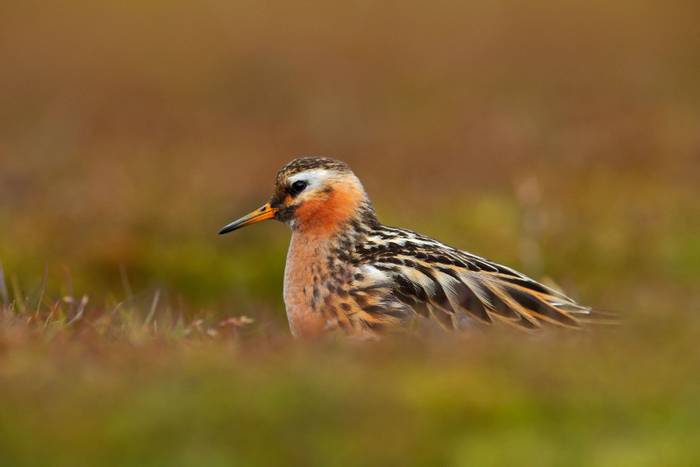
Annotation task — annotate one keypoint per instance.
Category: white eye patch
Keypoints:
(314, 178)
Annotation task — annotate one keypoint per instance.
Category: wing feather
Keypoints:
(446, 284)
(482, 296)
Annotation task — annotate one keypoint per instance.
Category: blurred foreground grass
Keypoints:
(562, 138)
(218, 395)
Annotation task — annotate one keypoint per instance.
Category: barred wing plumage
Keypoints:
(454, 287)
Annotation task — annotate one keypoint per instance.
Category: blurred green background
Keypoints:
(562, 138)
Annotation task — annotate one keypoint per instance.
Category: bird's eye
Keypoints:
(298, 187)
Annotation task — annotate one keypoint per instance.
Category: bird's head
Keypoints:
(313, 194)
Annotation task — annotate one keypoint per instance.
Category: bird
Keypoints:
(346, 273)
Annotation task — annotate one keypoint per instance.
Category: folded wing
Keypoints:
(455, 287)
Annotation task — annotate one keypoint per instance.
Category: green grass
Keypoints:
(624, 396)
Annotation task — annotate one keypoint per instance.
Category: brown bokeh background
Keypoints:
(562, 138)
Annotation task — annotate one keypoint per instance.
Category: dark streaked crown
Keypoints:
(308, 163)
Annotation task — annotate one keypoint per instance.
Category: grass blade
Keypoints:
(3, 287)
(154, 306)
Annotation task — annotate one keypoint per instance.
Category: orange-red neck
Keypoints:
(327, 214)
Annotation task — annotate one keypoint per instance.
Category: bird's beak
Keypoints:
(261, 214)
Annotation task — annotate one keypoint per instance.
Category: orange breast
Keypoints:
(298, 287)
(316, 300)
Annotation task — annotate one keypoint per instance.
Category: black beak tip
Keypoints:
(226, 230)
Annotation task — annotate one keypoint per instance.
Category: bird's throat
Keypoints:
(325, 216)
